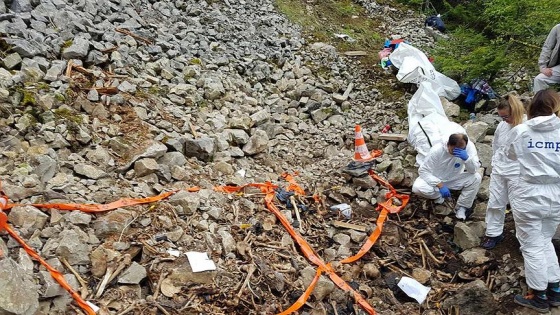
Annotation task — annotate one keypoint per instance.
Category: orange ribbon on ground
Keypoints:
(307, 250)
(92, 208)
(80, 207)
(54, 273)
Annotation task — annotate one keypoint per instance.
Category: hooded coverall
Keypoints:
(504, 173)
(535, 197)
(549, 58)
(440, 166)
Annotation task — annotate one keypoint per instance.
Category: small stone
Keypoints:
(11, 60)
(133, 274)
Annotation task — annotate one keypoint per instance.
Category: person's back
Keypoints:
(538, 147)
(534, 199)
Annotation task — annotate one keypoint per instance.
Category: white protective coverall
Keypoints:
(504, 174)
(440, 166)
(535, 198)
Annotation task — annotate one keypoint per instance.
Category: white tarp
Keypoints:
(414, 67)
(427, 122)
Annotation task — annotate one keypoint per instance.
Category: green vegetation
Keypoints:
(489, 36)
(322, 20)
(68, 115)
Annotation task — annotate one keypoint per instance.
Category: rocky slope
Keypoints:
(103, 100)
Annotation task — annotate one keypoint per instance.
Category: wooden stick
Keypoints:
(346, 225)
(423, 256)
(127, 32)
(158, 285)
(295, 206)
(104, 282)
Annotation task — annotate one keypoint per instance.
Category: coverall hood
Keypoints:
(544, 123)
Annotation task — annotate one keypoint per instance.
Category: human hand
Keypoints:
(547, 71)
(445, 193)
(461, 153)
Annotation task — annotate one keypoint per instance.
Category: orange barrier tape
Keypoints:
(81, 207)
(303, 298)
(293, 186)
(103, 207)
(306, 249)
(54, 273)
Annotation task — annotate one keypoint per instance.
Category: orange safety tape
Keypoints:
(306, 249)
(81, 207)
(303, 298)
(54, 273)
(103, 207)
(293, 186)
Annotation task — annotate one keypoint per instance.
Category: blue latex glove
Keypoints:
(461, 153)
(445, 193)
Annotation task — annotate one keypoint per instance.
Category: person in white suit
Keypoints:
(535, 199)
(450, 166)
(504, 170)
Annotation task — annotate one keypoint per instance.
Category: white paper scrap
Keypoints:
(414, 289)
(200, 262)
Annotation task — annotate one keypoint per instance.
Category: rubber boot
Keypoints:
(552, 294)
(535, 299)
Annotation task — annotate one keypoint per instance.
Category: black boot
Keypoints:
(535, 299)
(552, 295)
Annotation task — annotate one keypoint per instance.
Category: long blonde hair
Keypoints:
(516, 109)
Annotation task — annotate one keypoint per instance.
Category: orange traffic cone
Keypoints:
(361, 152)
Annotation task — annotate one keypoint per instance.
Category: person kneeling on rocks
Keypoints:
(450, 166)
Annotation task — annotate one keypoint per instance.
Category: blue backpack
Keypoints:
(435, 22)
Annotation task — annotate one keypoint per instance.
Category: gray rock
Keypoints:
(202, 148)
(93, 95)
(324, 286)
(19, 292)
(260, 117)
(28, 217)
(172, 159)
(78, 50)
(396, 173)
(484, 191)
(51, 288)
(341, 238)
(236, 136)
(19, 6)
(473, 298)
(77, 217)
(258, 143)
(321, 114)
(464, 236)
(476, 130)
(56, 69)
(73, 247)
(112, 223)
(450, 109)
(26, 48)
(46, 167)
(213, 88)
(145, 167)
(228, 242)
(364, 182)
(154, 150)
(127, 87)
(11, 60)
(89, 171)
(133, 274)
(187, 202)
(484, 152)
